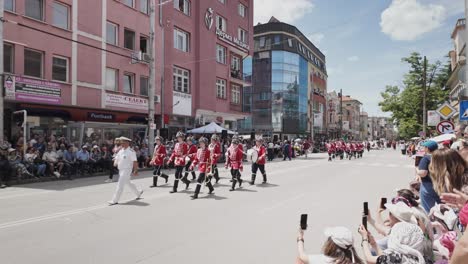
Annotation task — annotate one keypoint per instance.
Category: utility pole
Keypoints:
(424, 95)
(163, 58)
(152, 79)
(312, 120)
(2, 133)
(341, 113)
(466, 41)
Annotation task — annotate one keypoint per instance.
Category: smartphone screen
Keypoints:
(364, 222)
(304, 221)
(383, 201)
(366, 208)
(417, 160)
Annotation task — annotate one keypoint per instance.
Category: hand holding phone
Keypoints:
(383, 201)
(364, 221)
(366, 208)
(304, 222)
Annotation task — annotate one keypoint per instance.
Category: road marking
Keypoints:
(24, 195)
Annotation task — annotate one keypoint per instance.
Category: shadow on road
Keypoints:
(213, 196)
(267, 185)
(135, 203)
(244, 190)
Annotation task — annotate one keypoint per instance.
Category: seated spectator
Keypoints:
(16, 163)
(95, 158)
(82, 157)
(405, 246)
(61, 151)
(69, 160)
(40, 145)
(31, 161)
(52, 161)
(337, 249)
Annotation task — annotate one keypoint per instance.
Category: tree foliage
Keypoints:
(406, 103)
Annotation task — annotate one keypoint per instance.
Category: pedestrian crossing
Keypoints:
(375, 164)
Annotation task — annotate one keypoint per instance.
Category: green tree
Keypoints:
(406, 103)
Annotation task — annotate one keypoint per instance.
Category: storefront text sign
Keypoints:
(182, 104)
(100, 116)
(123, 101)
(32, 90)
(231, 40)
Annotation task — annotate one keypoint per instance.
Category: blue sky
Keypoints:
(364, 40)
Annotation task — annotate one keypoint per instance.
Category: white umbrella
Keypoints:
(415, 138)
(443, 137)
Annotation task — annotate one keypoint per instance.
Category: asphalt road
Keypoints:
(70, 221)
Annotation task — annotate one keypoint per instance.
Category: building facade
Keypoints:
(381, 127)
(457, 79)
(351, 117)
(289, 82)
(363, 126)
(333, 115)
(81, 67)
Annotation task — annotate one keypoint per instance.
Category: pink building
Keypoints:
(69, 64)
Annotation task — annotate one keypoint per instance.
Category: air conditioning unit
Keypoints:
(145, 57)
(157, 99)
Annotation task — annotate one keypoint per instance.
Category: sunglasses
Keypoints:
(401, 199)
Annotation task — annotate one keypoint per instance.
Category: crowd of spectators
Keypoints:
(424, 222)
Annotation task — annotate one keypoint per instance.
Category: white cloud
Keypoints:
(285, 11)
(409, 19)
(353, 58)
(316, 38)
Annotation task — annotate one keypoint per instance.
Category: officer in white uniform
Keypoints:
(126, 162)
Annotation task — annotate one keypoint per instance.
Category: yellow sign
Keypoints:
(446, 111)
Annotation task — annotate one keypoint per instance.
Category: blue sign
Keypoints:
(463, 113)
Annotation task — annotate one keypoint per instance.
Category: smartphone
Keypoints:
(304, 221)
(417, 160)
(383, 201)
(366, 208)
(364, 221)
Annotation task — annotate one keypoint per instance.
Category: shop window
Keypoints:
(61, 15)
(35, 9)
(111, 79)
(129, 39)
(33, 63)
(8, 58)
(144, 85)
(60, 69)
(129, 83)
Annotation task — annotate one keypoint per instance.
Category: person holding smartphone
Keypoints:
(338, 248)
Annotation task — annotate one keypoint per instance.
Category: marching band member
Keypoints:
(331, 150)
(202, 159)
(157, 161)
(234, 160)
(178, 156)
(192, 151)
(215, 151)
(260, 163)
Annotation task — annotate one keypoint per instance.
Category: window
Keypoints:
(144, 85)
(112, 33)
(10, 5)
(277, 40)
(222, 1)
(144, 7)
(181, 40)
(235, 94)
(262, 42)
(221, 23)
(221, 88)
(128, 83)
(242, 34)
(35, 9)
(242, 10)
(8, 58)
(61, 14)
(290, 43)
(181, 80)
(33, 61)
(183, 6)
(143, 44)
(60, 69)
(111, 79)
(130, 3)
(235, 63)
(220, 54)
(129, 39)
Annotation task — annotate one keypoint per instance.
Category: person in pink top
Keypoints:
(234, 161)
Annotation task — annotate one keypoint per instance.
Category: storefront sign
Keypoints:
(182, 104)
(100, 116)
(433, 118)
(123, 101)
(32, 90)
(231, 40)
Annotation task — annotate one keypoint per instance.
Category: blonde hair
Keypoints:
(447, 170)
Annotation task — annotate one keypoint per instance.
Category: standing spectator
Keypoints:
(448, 171)
(427, 193)
(463, 149)
(52, 160)
(31, 159)
(4, 167)
(286, 150)
(271, 149)
(145, 155)
(403, 148)
(138, 155)
(107, 162)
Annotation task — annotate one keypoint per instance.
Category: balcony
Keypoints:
(237, 74)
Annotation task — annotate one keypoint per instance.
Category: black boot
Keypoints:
(210, 186)
(187, 183)
(253, 179)
(155, 182)
(176, 184)
(240, 181)
(194, 176)
(264, 178)
(216, 177)
(197, 191)
(329, 158)
(233, 185)
(165, 177)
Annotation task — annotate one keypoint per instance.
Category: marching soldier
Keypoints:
(127, 163)
(234, 160)
(202, 159)
(192, 151)
(215, 151)
(157, 161)
(178, 157)
(260, 163)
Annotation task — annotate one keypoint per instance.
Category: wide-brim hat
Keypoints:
(11, 149)
(402, 212)
(124, 139)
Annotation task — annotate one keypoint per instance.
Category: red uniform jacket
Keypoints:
(158, 155)
(215, 150)
(192, 151)
(179, 153)
(201, 159)
(330, 147)
(261, 155)
(234, 157)
(353, 147)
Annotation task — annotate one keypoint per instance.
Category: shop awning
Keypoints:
(211, 128)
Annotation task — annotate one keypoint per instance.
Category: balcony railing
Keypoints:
(237, 74)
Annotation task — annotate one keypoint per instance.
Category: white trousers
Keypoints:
(125, 176)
